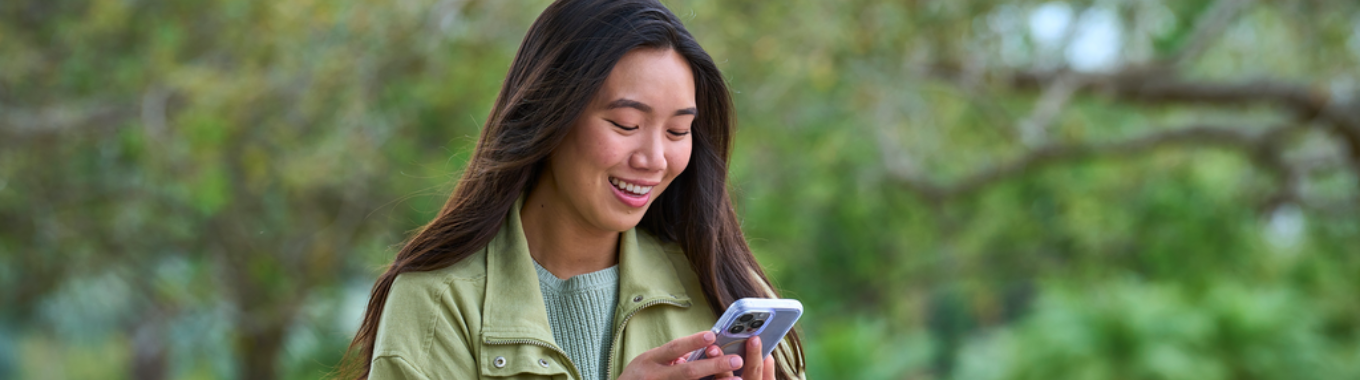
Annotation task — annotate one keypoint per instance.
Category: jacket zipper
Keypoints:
(613, 348)
(539, 343)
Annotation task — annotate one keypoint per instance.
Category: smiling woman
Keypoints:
(591, 235)
(630, 143)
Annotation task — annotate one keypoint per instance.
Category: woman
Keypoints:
(591, 235)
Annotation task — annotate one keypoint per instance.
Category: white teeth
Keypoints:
(631, 188)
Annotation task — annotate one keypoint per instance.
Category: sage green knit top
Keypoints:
(581, 315)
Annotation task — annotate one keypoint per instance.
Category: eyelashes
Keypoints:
(623, 127)
(634, 128)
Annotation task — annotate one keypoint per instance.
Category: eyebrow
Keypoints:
(640, 106)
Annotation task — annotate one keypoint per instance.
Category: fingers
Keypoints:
(708, 367)
(712, 352)
(670, 361)
(754, 364)
(769, 368)
(682, 346)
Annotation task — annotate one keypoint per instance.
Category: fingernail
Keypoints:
(736, 361)
(755, 341)
(713, 351)
(708, 336)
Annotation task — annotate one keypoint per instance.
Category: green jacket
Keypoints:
(484, 316)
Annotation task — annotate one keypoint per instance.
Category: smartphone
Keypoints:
(767, 318)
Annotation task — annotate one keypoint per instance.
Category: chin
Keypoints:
(622, 220)
(626, 223)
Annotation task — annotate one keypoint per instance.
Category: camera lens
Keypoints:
(757, 324)
(736, 329)
(745, 318)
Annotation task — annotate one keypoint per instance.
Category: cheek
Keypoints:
(608, 152)
(677, 158)
(600, 151)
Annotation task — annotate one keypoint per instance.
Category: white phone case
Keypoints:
(777, 316)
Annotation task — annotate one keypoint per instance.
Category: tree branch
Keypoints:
(1034, 128)
(1160, 85)
(18, 122)
(1156, 85)
(1259, 146)
(1208, 27)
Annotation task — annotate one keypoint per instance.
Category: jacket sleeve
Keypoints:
(394, 367)
(422, 334)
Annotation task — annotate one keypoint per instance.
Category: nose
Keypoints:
(651, 155)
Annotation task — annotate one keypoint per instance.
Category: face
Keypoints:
(628, 145)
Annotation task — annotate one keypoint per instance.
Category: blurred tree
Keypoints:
(1141, 189)
(1028, 146)
(244, 137)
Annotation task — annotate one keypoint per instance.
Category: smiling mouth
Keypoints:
(629, 188)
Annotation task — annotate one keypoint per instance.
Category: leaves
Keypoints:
(242, 169)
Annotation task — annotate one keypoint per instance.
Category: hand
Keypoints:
(668, 361)
(756, 369)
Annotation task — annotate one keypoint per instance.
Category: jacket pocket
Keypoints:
(522, 359)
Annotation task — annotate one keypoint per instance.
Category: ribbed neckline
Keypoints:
(607, 277)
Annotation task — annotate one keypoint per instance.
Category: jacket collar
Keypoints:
(514, 307)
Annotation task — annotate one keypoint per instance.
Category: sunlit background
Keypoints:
(965, 189)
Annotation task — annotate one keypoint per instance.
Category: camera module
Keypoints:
(736, 329)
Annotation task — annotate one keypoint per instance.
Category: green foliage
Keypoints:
(1130, 330)
(208, 189)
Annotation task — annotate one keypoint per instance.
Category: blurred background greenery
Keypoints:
(1142, 189)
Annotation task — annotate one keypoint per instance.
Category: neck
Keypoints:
(561, 242)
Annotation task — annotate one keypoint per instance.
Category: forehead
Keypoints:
(660, 78)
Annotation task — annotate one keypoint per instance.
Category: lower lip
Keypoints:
(630, 199)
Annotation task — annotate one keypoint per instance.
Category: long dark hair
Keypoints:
(564, 59)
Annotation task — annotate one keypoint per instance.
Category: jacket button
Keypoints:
(499, 362)
(543, 363)
(637, 299)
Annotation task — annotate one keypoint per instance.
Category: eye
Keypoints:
(623, 127)
(678, 133)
